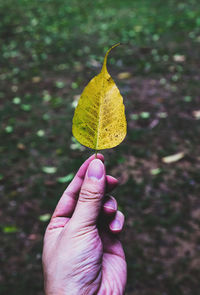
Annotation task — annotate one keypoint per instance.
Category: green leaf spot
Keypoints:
(134, 116)
(26, 107)
(187, 98)
(16, 100)
(145, 115)
(163, 81)
(121, 160)
(44, 217)
(155, 171)
(155, 37)
(49, 170)
(66, 178)
(9, 129)
(74, 85)
(60, 84)
(162, 115)
(10, 229)
(46, 117)
(46, 96)
(40, 133)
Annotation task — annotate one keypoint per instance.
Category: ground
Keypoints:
(49, 52)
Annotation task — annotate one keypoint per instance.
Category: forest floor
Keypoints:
(41, 79)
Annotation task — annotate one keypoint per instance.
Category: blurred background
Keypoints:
(49, 50)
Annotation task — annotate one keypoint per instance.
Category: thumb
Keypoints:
(91, 195)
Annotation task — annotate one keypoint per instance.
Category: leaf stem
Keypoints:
(95, 154)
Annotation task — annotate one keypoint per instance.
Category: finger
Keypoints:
(111, 243)
(58, 222)
(116, 225)
(109, 206)
(67, 203)
(111, 183)
(91, 196)
(113, 249)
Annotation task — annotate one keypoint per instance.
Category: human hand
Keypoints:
(82, 254)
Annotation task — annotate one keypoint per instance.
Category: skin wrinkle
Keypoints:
(86, 196)
(87, 231)
(89, 270)
(58, 223)
(87, 265)
(71, 195)
(112, 287)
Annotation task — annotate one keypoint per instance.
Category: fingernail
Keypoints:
(96, 169)
(110, 205)
(116, 224)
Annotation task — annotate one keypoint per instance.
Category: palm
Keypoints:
(113, 266)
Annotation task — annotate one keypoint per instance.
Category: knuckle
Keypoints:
(90, 195)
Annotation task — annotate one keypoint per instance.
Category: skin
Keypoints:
(82, 253)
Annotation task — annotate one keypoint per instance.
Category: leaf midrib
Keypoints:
(99, 113)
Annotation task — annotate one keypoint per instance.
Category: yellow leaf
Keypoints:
(99, 119)
(173, 158)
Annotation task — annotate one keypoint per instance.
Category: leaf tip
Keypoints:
(104, 67)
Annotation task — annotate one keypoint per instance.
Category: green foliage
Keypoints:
(64, 23)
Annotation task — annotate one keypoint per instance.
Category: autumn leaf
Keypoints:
(99, 120)
(173, 158)
(124, 75)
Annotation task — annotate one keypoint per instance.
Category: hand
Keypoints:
(82, 254)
